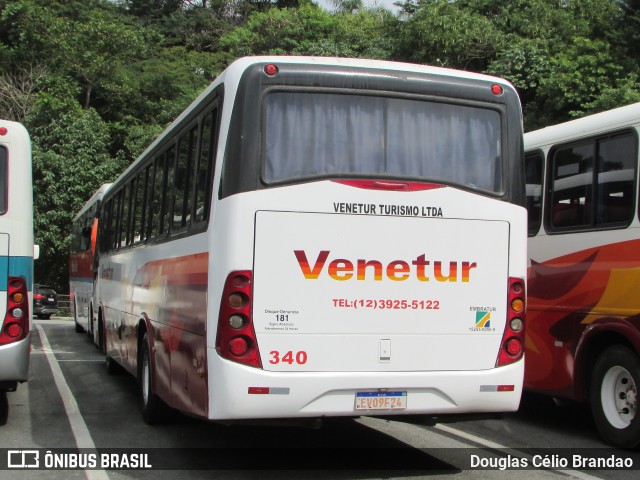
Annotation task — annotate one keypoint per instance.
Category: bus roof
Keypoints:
(235, 70)
(584, 127)
(94, 198)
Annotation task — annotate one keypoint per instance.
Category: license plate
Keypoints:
(50, 300)
(381, 400)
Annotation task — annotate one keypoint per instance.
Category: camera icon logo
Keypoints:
(23, 459)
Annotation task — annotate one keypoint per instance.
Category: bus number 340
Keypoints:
(289, 357)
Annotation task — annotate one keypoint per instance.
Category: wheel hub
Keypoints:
(619, 397)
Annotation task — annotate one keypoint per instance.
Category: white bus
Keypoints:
(16, 254)
(323, 237)
(583, 312)
(82, 250)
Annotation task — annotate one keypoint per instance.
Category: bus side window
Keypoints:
(615, 182)
(138, 208)
(534, 162)
(204, 173)
(168, 192)
(572, 185)
(124, 220)
(4, 183)
(115, 221)
(158, 190)
(184, 179)
(105, 226)
(593, 183)
(148, 194)
(85, 239)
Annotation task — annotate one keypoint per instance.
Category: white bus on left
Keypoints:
(16, 254)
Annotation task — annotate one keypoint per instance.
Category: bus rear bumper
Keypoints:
(14, 361)
(240, 392)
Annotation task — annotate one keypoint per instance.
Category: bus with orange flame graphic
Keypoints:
(583, 310)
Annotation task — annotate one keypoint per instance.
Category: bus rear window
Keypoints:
(327, 134)
(4, 180)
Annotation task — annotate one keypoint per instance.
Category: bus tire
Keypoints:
(100, 328)
(79, 328)
(154, 410)
(614, 396)
(90, 326)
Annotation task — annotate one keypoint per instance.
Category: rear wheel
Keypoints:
(100, 333)
(90, 324)
(614, 396)
(154, 410)
(79, 328)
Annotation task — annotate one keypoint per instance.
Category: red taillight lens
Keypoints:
(271, 69)
(16, 319)
(13, 330)
(512, 346)
(38, 296)
(497, 89)
(236, 337)
(238, 346)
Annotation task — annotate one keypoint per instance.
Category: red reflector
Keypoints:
(14, 330)
(514, 347)
(496, 89)
(238, 346)
(517, 288)
(270, 69)
(240, 281)
(3, 130)
(506, 388)
(258, 390)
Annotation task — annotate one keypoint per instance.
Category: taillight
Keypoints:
(236, 338)
(16, 319)
(512, 346)
(271, 70)
(38, 296)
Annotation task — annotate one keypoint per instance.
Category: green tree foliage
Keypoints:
(565, 57)
(443, 33)
(279, 32)
(95, 81)
(71, 160)
(310, 30)
(150, 10)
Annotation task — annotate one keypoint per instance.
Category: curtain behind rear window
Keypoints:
(325, 134)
